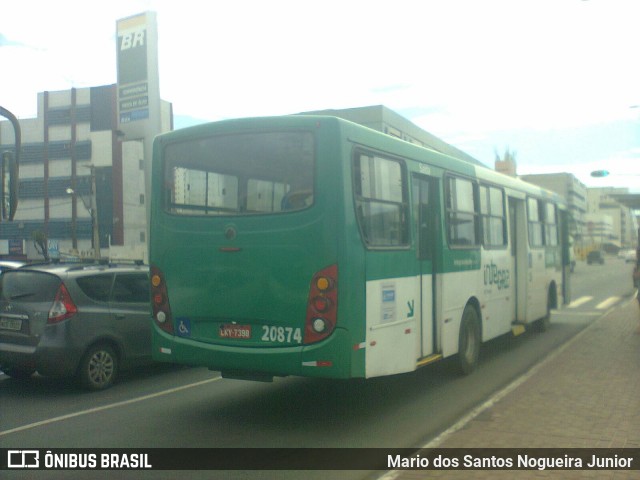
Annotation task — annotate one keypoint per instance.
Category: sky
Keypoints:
(555, 81)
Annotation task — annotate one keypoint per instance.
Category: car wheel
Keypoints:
(98, 367)
(469, 340)
(18, 373)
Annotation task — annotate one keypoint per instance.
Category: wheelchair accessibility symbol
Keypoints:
(184, 327)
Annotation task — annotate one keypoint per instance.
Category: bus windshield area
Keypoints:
(247, 173)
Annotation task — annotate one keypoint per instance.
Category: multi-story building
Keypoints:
(100, 133)
(603, 202)
(76, 134)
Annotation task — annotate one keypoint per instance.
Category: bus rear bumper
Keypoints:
(330, 358)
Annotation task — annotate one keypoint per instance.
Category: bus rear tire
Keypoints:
(543, 324)
(469, 340)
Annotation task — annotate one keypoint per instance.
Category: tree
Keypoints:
(41, 243)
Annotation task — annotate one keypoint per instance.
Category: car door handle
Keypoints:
(120, 316)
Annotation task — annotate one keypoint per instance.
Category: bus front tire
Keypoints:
(469, 340)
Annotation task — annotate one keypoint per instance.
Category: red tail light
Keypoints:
(62, 307)
(160, 301)
(322, 306)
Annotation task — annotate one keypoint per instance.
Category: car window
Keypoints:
(27, 286)
(131, 288)
(96, 287)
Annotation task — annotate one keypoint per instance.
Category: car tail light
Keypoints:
(322, 306)
(62, 307)
(160, 301)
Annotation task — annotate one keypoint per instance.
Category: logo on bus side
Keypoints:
(495, 276)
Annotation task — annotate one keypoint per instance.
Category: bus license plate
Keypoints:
(240, 332)
(10, 324)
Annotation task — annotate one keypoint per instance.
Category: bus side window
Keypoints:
(462, 217)
(536, 236)
(380, 193)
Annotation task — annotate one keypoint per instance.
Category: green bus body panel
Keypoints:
(280, 361)
(261, 277)
(257, 284)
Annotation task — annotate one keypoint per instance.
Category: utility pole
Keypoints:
(94, 214)
(92, 207)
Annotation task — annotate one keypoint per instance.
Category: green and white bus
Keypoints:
(313, 246)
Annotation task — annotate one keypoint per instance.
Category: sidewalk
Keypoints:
(587, 395)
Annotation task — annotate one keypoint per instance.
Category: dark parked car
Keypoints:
(595, 256)
(87, 321)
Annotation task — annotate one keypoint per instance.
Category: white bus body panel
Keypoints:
(392, 333)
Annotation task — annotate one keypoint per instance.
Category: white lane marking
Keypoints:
(107, 407)
(607, 303)
(579, 301)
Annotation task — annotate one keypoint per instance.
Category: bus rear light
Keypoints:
(323, 283)
(319, 325)
(160, 305)
(322, 306)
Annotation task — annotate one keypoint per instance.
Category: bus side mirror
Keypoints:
(8, 187)
(9, 171)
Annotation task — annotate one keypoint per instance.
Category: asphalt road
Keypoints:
(192, 407)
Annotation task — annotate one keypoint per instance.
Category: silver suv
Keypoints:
(86, 321)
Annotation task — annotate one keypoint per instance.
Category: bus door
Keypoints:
(425, 208)
(519, 259)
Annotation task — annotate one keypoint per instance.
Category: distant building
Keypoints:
(601, 201)
(599, 231)
(383, 119)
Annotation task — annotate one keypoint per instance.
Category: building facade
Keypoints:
(81, 137)
(602, 202)
(76, 135)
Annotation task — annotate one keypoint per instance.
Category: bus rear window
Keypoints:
(249, 173)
